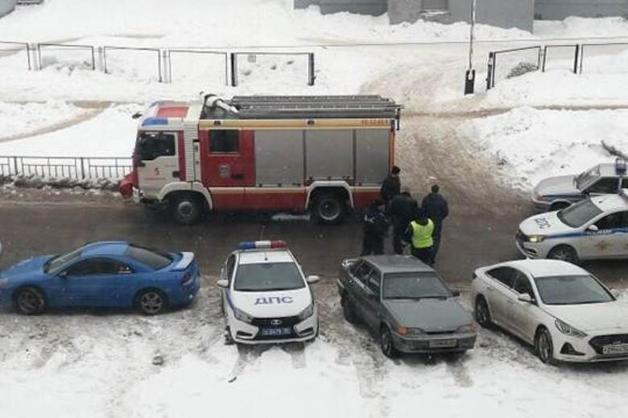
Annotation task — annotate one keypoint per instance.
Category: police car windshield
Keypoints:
(586, 177)
(571, 290)
(266, 277)
(579, 213)
(416, 285)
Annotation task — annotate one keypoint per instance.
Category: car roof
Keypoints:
(545, 268)
(105, 248)
(610, 202)
(265, 256)
(397, 263)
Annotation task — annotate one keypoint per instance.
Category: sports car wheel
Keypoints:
(564, 253)
(30, 301)
(387, 344)
(545, 347)
(482, 314)
(151, 302)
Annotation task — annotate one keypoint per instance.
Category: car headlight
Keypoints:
(242, 316)
(467, 329)
(410, 332)
(568, 329)
(307, 312)
(536, 238)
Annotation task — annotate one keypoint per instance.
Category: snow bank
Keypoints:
(109, 134)
(20, 119)
(533, 144)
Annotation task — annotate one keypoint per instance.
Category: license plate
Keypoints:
(615, 349)
(276, 332)
(443, 343)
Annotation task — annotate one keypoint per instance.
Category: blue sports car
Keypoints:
(111, 274)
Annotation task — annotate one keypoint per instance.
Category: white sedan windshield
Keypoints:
(571, 290)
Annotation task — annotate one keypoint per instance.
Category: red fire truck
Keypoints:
(323, 154)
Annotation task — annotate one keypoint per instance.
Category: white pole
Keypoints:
(472, 35)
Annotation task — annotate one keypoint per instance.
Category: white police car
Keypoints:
(266, 298)
(595, 228)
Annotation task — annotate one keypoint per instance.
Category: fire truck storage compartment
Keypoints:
(371, 156)
(279, 158)
(329, 154)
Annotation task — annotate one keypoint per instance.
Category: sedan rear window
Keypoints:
(579, 214)
(418, 285)
(149, 257)
(265, 277)
(571, 290)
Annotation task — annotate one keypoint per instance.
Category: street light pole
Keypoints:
(469, 85)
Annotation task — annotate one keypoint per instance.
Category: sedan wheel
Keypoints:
(387, 344)
(545, 347)
(30, 301)
(482, 314)
(151, 302)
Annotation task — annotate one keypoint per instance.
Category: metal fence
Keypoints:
(156, 51)
(510, 62)
(561, 57)
(604, 58)
(169, 53)
(90, 62)
(8, 47)
(76, 168)
(252, 56)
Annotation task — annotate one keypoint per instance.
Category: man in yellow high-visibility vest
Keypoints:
(420, 234)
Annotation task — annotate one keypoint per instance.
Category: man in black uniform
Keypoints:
(391, 186)
(437, 210)
(402, 210)
(375, 227)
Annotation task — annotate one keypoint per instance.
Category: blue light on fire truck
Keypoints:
(155, 121)
(256, 245)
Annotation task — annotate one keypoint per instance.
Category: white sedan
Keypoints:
(266, 298)
(561, 309)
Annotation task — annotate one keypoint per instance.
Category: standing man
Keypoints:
(402, 210)
(375, 227)
(391, 186)
(437, 210)
(419, 234)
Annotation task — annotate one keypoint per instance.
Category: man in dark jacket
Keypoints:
(437, 210)
(402, 210)
(375, 227)
(391, 186)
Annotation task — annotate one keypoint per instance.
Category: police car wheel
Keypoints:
(186, 209)
(386, 343)
(30, 301)
(328, 208)
(563, 253)
(544, 346)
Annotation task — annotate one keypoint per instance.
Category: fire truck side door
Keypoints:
(227, 165)
(159, 162)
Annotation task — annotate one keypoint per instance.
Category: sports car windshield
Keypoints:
(59, 261)
(265, 277)
(579, 213)
(586, 177)
(415, 285)
(571, 290)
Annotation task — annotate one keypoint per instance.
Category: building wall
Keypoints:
(370, 7)
(560, 9)
(7, 6)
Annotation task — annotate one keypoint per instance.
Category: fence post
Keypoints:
(14, 165)
(489, 71)
(575, 62)
(234, 69)
(93, 59)
(28, 56)
(159, 64)
(310, 69)
(104, 59)
(82, 168)
(544, 57)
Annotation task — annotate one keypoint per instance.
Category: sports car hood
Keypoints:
(431, 315)
(560, 186)
(609, 317)
(545, 224)
(24, 267)
(272, 304)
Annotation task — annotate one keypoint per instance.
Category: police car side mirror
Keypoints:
(312, 279)
(593, 228)
(223, 283)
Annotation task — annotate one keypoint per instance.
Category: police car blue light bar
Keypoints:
(620, 166)
(256, 245)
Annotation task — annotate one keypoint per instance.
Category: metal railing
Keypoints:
(516, 54)
(309, 55)
(76, 168)
(91, 61)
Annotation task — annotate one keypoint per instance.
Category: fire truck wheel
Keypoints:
(186, 209)
(328, 208)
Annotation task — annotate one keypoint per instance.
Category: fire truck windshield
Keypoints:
(151, 145)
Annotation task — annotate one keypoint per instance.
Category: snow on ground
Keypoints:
(102, 365)
(20, 119)
(532, 144)
(110, 133)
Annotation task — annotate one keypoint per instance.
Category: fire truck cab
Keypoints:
(323, 154)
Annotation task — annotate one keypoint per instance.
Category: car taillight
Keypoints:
(186, 279)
